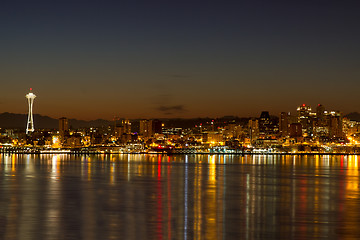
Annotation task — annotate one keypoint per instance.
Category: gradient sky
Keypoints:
(144, 59)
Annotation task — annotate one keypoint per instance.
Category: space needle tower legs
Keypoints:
(30, 122)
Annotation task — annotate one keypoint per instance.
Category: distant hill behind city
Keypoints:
(15, 120)
(354, 116)
(18, 121)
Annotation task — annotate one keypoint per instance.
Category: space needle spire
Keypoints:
(30, 122)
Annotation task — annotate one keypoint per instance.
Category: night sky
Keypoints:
(147, 59)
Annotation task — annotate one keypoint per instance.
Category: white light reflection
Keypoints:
(129, 168)
(247, 205)
(7, 161)
(29, 167)
(112, 173)
(356, 161)
(186, 197)
(294, 161)
(212, 169)
(52, 209)
(270, 159)
(54, 174)
(326, 160)
(83, 167)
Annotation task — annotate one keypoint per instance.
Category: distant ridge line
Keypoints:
(18, 121)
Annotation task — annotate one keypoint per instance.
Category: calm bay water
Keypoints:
(179, 197)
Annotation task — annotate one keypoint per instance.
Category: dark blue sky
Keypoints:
(99, 59)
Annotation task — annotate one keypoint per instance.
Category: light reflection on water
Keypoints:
(179, 197)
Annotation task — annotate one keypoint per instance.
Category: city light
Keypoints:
(318, 132)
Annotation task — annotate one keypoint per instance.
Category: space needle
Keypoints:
(30, 122)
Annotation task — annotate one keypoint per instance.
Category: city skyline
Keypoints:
(178, 59)
(316, 131)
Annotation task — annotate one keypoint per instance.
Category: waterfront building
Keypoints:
(213, 137)
(73, 141)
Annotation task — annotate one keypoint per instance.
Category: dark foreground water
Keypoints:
(179, 197)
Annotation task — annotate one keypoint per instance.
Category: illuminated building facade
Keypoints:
(306, 118)
(146, 128)
(149, 127)
(321, 125)
(233, 131)
(122, 127)
(329, 124)
(264, 123)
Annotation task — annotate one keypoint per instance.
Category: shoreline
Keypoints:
(170, 154)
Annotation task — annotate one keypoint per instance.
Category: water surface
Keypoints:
(179, 197)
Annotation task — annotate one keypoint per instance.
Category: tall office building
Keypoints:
(335, 125)
(122, 126)
(156, 126)
(146, 129)
(284, 124)
(264, 123)
(63, 129)
(63, 124)
(306, 118)
(127, 126)
(295, 130)
(321, 129)
(149, 127)
(253, 129)
(320, 114)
